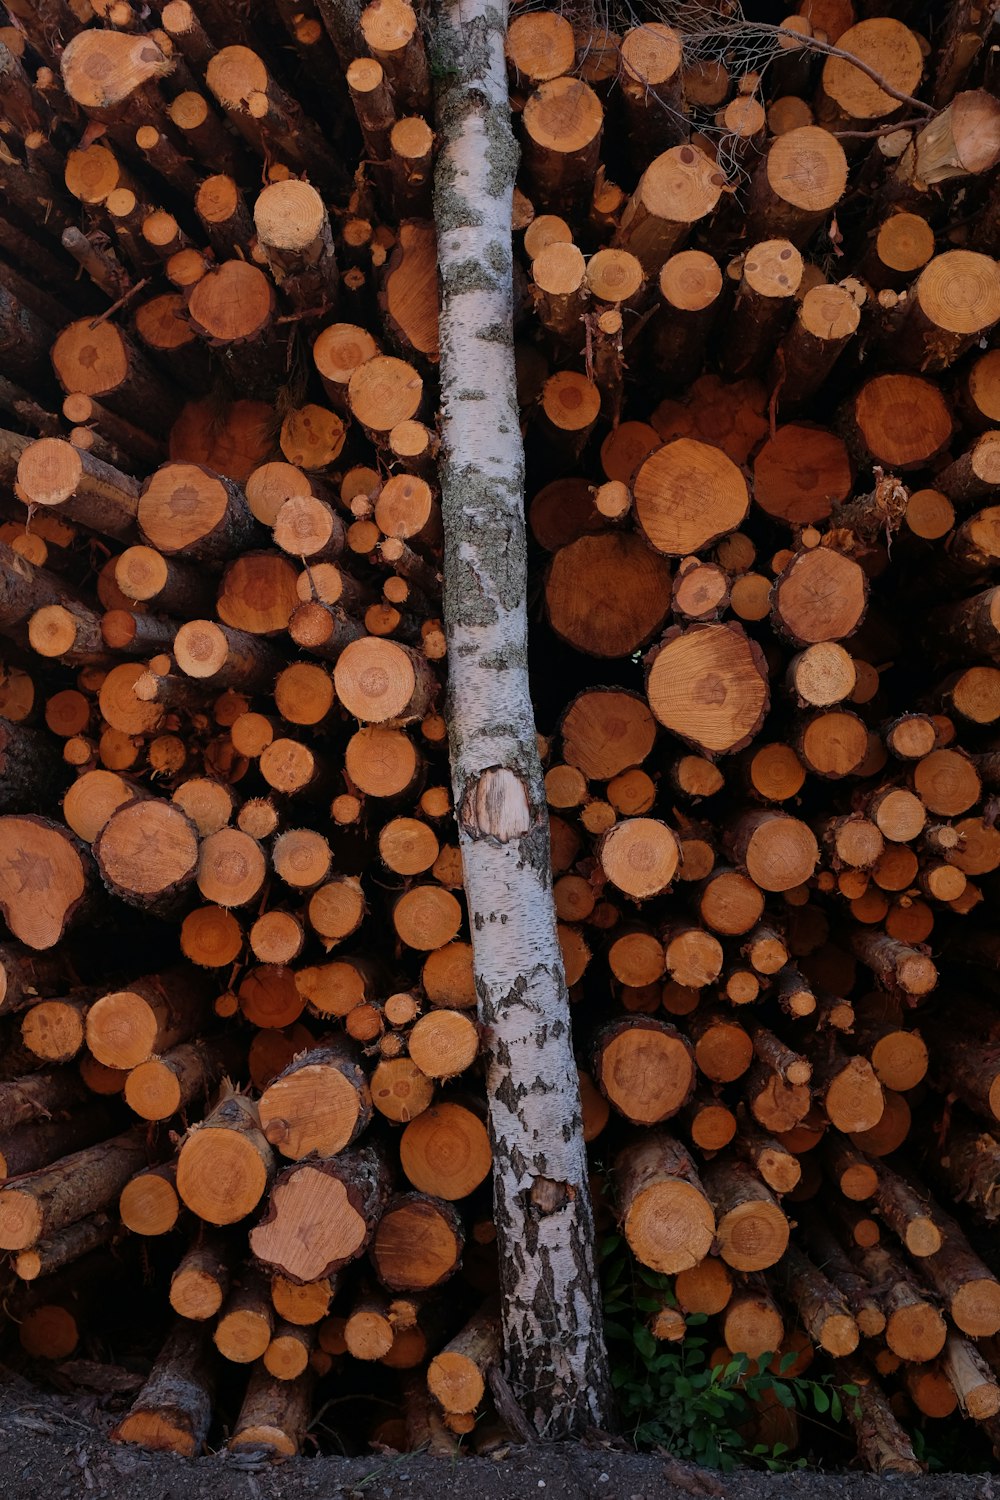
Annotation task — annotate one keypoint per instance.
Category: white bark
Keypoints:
(553, 1334)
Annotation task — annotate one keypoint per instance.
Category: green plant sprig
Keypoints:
(668, 1395)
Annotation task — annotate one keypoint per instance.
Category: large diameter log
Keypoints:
(709, 685)
(48, 1200)
(418, 1243)
(889, 49)
(97, 359)
(606, 731)
(151, 859)
(899, 421)
(688, 495)
(173, 1411)
(645, 1068)
(797, 185)
(321, 1215)
(821, 596)
(608, 594)
(954, 302)
(44, 875)
(445, 1150)
(777, 851)
(639, 856)
(666, 1216)
(676, 191)
(185, 507)
(562, 124)
(380, 681)
(55, 474)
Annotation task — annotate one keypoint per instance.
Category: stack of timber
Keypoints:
(760, 398)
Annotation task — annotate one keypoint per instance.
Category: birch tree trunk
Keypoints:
(553, 1335)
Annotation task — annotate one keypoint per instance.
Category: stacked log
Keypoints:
(760, 407)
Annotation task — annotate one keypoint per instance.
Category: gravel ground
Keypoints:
(55, 1448)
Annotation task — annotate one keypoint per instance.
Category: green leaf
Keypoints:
(644, 1341)
(821, 1400)
(836, 1409)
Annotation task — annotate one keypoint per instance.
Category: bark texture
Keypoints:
(553, 1336)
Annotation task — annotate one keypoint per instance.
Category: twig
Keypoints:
(737, 26)
(109, 312)
(507, 1408)
(829, 50)
(867, 135)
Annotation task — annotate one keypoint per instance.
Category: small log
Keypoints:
(173, 1411)
(666, 1215)
(46, 1201)
(456, 1377)
(883, 1445)
(246, 1322)
(275, 1414)
(752, 1230)
(225, 1163)
(200, 1282)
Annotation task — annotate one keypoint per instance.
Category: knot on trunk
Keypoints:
(547, 1196)
(496, 806)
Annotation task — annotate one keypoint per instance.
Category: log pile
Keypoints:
(761, 409)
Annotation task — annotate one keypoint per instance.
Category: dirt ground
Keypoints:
(51, 1448)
